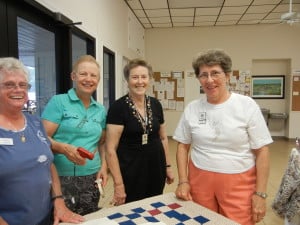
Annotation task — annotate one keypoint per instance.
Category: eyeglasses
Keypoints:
(84, 74)
(11, 85)
(213, 74)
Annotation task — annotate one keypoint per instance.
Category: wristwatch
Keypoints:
(261, 194)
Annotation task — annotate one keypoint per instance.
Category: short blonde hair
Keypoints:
(85, 58)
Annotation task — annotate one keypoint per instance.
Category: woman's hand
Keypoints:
(183, 191)
(63, 214)
(119, 195)
(102, 174)
(72, 154)
(170, 176)
(258, 208)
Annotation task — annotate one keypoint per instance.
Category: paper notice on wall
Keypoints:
(170, 94)
(179, 106)
(180, 92)
(164, 103)
(172, 104)
(165, 74)
(177, 74)
(160, 95)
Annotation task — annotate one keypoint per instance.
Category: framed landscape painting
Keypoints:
(264, 87)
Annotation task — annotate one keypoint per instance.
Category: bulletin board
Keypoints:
(240, 82)
(168, 88)
(296, 94)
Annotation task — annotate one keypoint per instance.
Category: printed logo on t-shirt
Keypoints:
(202, 118)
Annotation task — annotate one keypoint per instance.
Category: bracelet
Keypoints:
(57, 196)
(183, 182)
(261, 194)
(168, 165)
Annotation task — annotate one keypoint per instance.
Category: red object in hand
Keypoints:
(85, 153)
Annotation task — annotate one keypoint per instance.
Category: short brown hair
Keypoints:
(210, 58)
(135, 63)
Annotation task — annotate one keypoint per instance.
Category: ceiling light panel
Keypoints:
(182, 24)
(194, 3)
(157, 13)
(237, 2)
(265, 2)
(182, 19)
(182, 12)
(204, 24)
(229, 17)
(260, 9)
(253, 16)
(205, 18)
(223, 23)
(207, 11)
(244, 22)
(234, 10)
(162, 25)
(154, 4)
(160, 20)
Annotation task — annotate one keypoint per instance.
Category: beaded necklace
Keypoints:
(145, 122)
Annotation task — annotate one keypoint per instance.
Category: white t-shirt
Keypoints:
(222, 136)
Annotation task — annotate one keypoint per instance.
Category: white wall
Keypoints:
(108, 21)
(173, 49)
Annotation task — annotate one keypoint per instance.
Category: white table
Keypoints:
(164, 208)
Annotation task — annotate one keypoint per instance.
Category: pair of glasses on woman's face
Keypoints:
(12, 85)
(215, 74)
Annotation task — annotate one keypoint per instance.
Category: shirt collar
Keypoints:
(73, 96)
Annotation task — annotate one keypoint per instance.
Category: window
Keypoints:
(47, 47)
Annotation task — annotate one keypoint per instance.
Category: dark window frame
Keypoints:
(112, 78)
(62, 27)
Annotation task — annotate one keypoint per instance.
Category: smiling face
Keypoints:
(13, 90)
(138, 81)
(86, 77)
(213, 81)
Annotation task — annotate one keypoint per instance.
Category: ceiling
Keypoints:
(197, 13)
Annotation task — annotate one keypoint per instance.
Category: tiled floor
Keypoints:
(279, 150)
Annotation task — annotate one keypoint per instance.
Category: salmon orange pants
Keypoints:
(227, 194)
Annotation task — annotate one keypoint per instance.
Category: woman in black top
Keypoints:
(136, 140)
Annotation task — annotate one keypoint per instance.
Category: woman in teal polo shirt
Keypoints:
(75, 120)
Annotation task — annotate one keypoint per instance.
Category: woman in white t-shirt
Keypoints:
(228, 167)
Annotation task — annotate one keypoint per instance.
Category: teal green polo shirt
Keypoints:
(78, 126)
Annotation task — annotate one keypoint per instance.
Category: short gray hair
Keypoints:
(9, 64)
